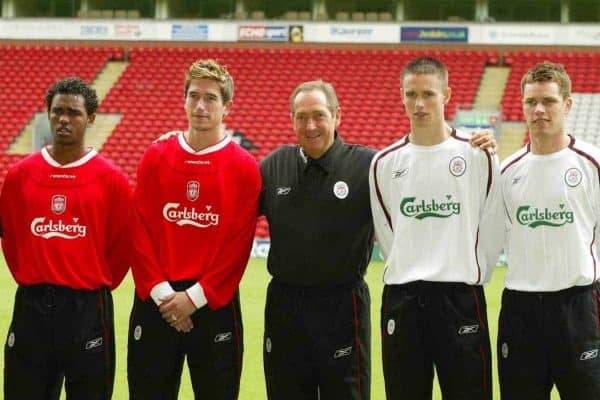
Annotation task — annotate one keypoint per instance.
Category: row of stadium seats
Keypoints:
(149, 93)
(584, 119)
(265, 78)
(26, 72)
(149, 97)
(584, 70)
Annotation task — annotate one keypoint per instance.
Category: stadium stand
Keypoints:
(24, 84)
(148, 95)
(149, 92)
(584, 70)
(584, 119)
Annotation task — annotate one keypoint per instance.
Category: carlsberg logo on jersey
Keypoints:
(190, 216)
(424, 209)
(534, 217)
(50, 229)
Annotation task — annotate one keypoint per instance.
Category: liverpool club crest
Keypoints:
(193, 190)
(59, 204)
(457, 166)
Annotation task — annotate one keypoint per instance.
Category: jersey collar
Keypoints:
(215, 147)
(325, 162)
(77, 163)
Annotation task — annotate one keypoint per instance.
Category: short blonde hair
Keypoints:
(210, 69)
(548, 72)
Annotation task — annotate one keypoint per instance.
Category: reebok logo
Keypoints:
(346, 351)
(588, 355)
(62, 176)
(468, 329)
(197, 162)
(223, 337)
(400, 173)
(94, 343)
(283, 191)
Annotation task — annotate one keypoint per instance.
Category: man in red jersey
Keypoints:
(197, 200)
(65, 215)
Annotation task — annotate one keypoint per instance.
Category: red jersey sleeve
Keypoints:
(8, 206)
(146, 271)
(219, 284)
(119, 237)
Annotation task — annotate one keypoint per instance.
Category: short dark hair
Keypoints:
(327, 88)
(76, 86)
(426, 66)
(548, 72)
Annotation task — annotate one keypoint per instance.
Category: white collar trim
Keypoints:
(210, 149)
(77, 163)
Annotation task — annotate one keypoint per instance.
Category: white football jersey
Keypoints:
(437, 211)
(552, 213)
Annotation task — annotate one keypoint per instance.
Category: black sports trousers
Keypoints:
(427, 324)
(547, 338)
(317, 342)
(58, 332)
(213, 348)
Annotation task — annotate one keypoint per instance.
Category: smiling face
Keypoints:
(68, 119)
(545, 109)
(314, 122)
(424, 97)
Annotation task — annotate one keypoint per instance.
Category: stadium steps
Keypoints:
(491, 88)
(95, 136)
(105, 124)
(97, 133)
(102, 127)
(512, 137)
(107, 78)
(23, 143)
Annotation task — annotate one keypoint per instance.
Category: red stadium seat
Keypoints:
(151, 103)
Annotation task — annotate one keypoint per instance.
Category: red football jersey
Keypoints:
(67, 224)
(198, 213)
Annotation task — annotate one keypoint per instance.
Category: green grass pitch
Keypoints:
(252, 290)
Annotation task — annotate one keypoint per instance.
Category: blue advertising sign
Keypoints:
(434, 34)
(189, 32)
(263, 33)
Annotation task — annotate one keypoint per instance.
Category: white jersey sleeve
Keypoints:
(492, 218)
(383, 228)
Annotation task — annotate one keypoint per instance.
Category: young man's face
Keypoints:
(204, 106)
(545, 109)
(424, 97)
(68, 119)
(314, 123)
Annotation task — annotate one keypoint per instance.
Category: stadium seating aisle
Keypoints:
(264, 80)
(150, 101)
(583, 68)
(149, 93)
(26, 73)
